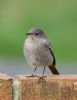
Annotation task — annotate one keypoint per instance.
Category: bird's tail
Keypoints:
(53, 69)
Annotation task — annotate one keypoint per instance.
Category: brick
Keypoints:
(5, 87)
(48, 88)
(35, 88)
(75, 91)
(66, 86)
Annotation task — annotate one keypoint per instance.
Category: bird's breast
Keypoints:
(36, 54)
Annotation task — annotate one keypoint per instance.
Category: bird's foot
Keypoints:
(42, 77)
(32, 75)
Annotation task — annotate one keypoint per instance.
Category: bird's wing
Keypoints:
(52, 66)
(48, 46)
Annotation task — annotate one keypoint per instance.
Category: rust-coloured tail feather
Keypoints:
(53, 69)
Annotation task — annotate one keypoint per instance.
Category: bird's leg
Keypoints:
(43, 72)
(41, 78)
(34, 71)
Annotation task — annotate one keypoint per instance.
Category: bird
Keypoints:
(38, 51)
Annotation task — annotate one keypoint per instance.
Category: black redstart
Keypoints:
(38, 51)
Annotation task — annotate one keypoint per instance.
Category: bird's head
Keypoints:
(35, 32)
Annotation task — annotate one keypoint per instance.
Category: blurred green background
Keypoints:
(58, 18)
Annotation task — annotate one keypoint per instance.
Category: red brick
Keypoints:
(5, 87)
(50, 88)
(75, 91)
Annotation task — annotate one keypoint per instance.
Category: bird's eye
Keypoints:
(36, 33)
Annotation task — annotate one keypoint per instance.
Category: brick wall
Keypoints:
(36, 88)
(5, 87)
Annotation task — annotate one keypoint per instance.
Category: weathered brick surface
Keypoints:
(35, 88)
(5, 87)
(75, 91)
(66, 87)
(48, 88)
